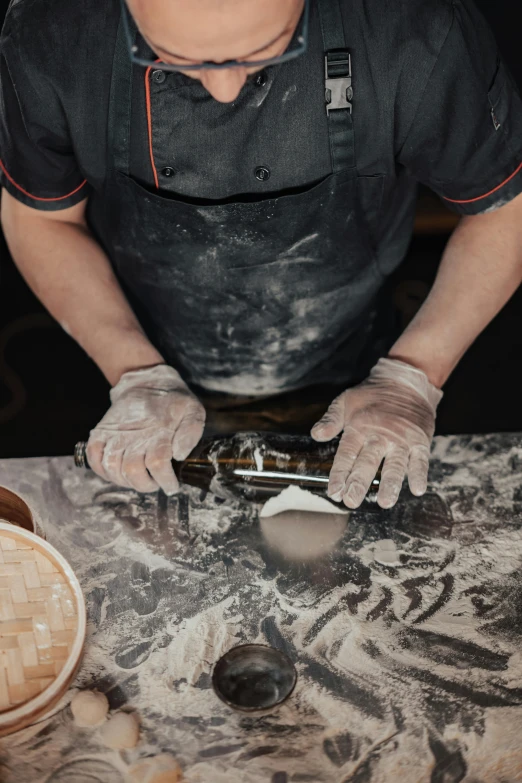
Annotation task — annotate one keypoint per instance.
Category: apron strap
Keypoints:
(338, 86)
(120, 105)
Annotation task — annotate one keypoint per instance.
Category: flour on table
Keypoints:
(296, 499)
(406, 633)
(258, 459)
(199, 642)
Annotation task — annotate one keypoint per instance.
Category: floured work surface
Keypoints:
(406, 633)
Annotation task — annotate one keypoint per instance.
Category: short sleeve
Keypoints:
(465, 141)
(37, 161)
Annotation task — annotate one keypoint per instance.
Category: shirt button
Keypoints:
(262, 173)
(159, 76)
(261, 79)
(168, 171)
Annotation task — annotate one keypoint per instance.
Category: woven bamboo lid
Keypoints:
(42, 627)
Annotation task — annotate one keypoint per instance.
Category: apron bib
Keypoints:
(254, 297)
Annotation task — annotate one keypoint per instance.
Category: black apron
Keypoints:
(253, 297)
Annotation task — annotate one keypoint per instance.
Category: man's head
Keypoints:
(187, 32)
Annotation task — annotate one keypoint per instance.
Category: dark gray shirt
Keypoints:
(433, 103)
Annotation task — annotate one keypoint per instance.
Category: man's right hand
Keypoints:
(154, 418)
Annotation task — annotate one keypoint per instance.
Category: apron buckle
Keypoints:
(338, 80)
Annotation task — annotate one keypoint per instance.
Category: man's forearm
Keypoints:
(480, 271)
(69, 272)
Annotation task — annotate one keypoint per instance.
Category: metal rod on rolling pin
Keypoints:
(322, 480)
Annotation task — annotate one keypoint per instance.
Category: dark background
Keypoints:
(51, 394)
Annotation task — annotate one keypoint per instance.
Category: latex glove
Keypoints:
(390, 416)
(154, 417)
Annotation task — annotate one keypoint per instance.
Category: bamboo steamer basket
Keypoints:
(15, 510)
(42, 621)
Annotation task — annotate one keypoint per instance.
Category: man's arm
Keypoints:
(459, 133)
(391, 415)
(154, 417)
(69, 272)
(480, 271)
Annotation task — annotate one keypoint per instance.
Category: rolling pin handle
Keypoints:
(80, 455)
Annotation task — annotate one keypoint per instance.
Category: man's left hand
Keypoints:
(390, 417)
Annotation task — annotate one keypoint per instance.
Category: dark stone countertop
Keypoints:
(405, 629)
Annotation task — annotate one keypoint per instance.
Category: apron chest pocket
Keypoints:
(501, 97)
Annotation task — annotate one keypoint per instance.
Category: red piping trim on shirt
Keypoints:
(149, 123)
(479, 198)
(38, 198)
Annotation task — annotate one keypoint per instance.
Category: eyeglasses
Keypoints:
(290, 54)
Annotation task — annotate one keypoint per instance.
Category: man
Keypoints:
(210, 194)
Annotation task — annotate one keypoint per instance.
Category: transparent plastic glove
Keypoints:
(154, 417)
(390, 416)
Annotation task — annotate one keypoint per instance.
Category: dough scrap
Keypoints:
(156, 769)
(89, 708)
(294, 498)
(121, 731)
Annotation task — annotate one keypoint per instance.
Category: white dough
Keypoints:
(89, 708)
(302, 536)
(156, 769)
(294, 498)
(121, 731)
